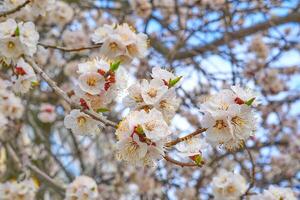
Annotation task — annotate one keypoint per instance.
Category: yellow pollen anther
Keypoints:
(152, 92)
(132, 49)
(237, 121)
(113, 46)
(81, 120)
(91, 81)
(150, 126)
(220, 124)
(138, 98)
(163, 104)
(230, 189)
(10, 45)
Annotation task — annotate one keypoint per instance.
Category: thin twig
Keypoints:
(181, 164)
(19, 7)
(45, 177)
(33, 169)
(189, 136)
(70, 49)
(252, 181)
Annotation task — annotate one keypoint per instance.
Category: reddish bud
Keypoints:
(239, 101)
(20, 71)
(101, 72)
(83, 104)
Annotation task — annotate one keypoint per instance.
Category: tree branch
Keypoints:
(181, 164)
(16, 9)
(187, 137)
(230, 36)
(70, 49)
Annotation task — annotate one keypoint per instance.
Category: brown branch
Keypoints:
(48, 180)
(181, 164)
(252, 182)
(230, 36)
(187, 137)
(16, 9)
(70, 49)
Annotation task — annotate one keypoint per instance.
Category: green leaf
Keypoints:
(249, 102)
(102, 110)
(115, 65)
(198, 160)
(174, 81)
(17, 31)
(139, 130)
(34, 83)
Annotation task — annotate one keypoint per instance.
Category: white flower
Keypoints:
(29, 37)
(11, 106)
(120, 42)
(94, 66)
(228, 185)
(194, 146)
(228, 121)
(17, 40)
(218, 102)
(275, 193)
(61, 14)
(24, 78)
(98, 84)
(11, 49)
(230, 127)
(25, 190)
(81, 123)
(8, 28)
(41, 7)
(131, 150)
(159, 73)
(102, 33)
(142, 8)
(47, 113)
(82, 187)
(136, 44)
(134, 98)
(91, 82)
(153, 91)
(154, 126)
(141, 136)
(168, 104)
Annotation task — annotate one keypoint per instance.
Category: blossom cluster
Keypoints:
(158, 93)
(10, 105)
(16, 40)
(101, 80)
(275, 192)
(120, 42)
(228, 185)
(24, 190)
(83, 187)
(231, 186)
(98, 84)
(142, 134)
(229, 117)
